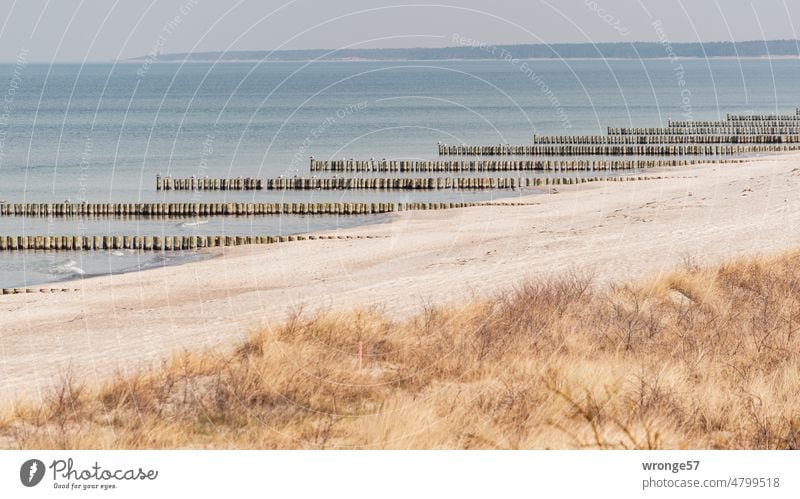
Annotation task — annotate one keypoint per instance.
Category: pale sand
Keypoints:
(614, 230)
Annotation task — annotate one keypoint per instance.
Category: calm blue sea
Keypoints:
(101, 132)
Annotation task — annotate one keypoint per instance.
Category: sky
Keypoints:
(107, 30)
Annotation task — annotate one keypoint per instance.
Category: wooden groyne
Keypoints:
(147, 243)
(763, 117)
(208, 184)
(190, 209)
(664, 139)
(208, 209)
(495, 165)
(717, 123)
(612, 150)
(715, 130)
(432, 183)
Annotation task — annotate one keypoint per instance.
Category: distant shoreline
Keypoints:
(465, 48)
(271, 61)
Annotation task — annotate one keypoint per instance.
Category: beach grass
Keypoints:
(702, 357)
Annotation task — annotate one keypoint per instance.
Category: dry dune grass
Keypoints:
(700, 358)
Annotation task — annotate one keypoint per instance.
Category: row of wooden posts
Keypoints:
(610, 150)
(717, 123)
(191, 209)
(432, 183)
(225, 209)
(503, 165)
(712, 130)
(734, 124)
(147, 243)
(665, 139)
(208, 184)
(764, 117)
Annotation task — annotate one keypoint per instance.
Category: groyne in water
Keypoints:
(764, 117)
(611, 150)
(147, 243)
(495, 165)
(781, 123)
(665, 139)
(433, 183)
(190, 209)
(707, 130)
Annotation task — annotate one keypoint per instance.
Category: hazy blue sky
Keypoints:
(104, 30)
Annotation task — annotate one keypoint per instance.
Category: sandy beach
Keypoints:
(615, 231)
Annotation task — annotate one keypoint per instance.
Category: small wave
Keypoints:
(194, 224)
(69, 267)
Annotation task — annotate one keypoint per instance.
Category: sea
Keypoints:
(102, 132)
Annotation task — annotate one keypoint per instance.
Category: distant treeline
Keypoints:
(634, 50)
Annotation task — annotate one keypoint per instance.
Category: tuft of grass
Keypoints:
(700, 358)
